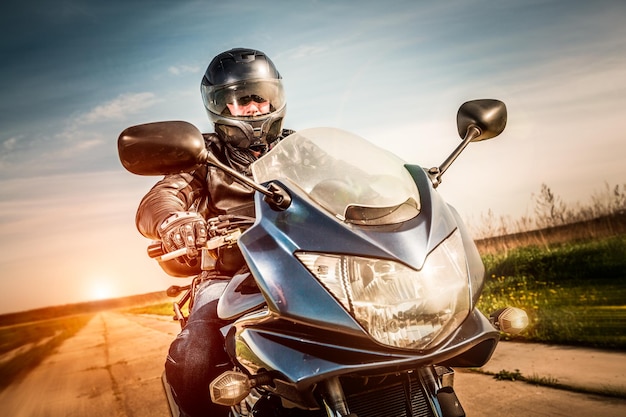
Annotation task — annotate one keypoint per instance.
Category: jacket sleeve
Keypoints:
(178, 192)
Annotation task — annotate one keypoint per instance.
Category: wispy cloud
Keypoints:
(183, 69)
(308, 50)
(117, 109)
(9, 144)
(79, 134)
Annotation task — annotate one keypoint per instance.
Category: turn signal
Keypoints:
(510, 320)
(230, 388)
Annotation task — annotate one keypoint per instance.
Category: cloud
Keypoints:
(80, 134)
(79, 141)
(9, 144)
(306, 51)
(183, 69)
(117, 109)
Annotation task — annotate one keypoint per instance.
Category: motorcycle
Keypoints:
(362, 286)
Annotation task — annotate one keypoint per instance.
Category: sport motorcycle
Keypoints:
(360, 293)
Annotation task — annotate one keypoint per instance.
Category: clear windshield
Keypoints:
(353, 179)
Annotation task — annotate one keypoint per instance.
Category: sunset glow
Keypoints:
(101, 288)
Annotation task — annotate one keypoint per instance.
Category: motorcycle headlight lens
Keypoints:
(397, 305)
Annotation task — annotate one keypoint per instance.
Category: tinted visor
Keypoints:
(218, 99)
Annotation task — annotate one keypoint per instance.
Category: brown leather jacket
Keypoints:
(207, 191)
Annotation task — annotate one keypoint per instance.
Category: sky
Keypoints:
(75, 73)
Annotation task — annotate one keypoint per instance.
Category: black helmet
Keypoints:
(243, 95)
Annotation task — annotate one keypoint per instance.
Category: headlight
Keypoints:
(397, 305)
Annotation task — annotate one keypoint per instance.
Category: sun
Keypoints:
(101, 289)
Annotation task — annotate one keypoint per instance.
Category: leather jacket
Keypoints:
(207, 191)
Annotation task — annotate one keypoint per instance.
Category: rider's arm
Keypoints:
(174, 193)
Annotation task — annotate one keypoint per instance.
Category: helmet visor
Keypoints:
(244, 100)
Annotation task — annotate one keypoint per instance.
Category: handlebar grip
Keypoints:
(172, 255)
(156, 252)
(155, 249)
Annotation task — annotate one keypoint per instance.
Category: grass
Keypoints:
(26, 345)
(162, 309)
(574, 293)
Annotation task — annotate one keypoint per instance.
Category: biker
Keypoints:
(243, 95)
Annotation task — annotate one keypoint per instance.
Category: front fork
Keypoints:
(440, 381)
(335, 401)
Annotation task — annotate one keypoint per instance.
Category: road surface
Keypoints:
(112, 367)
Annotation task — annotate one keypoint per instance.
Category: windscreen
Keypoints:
(348, 176)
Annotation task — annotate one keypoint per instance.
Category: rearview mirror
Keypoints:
(488, 115)
(161, 148)
(476, 120)
(164, 148)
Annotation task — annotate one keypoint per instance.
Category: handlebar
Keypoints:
(155, 251)
(224, 233)
(168, 256)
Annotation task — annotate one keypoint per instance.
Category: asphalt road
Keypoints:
(112, 367)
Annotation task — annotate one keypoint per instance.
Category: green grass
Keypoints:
(162, 309)
(587, 261)
(574, 293)
(39, 339)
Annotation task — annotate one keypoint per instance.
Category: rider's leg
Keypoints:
(197, 355)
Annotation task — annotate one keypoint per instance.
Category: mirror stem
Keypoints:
(212, 159)
(275, 196)
(435, 173)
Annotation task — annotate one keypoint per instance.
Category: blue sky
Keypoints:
(74, 74)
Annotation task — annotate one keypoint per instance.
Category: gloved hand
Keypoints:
(184, 229)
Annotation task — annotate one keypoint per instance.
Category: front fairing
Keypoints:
(304, 333)
(289, 288)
